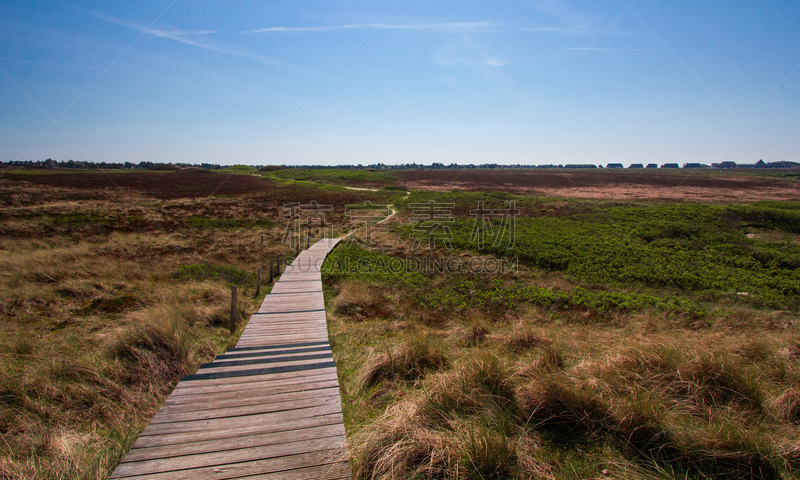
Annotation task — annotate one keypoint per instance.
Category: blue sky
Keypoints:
(348, 82)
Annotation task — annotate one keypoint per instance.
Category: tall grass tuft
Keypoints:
(360, 301)
(788, 405)
(408, 361)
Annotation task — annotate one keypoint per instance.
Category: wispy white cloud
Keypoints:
(190, 37)
(465, 51)
(50, 64)
(171, 33)
(495, 62)
(462, 29)
(449, 27)
(602, 49)
(447, 80)
(468, 61)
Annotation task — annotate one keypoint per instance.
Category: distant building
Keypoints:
(670, 165)
(615, 165)
(694, 165)
(758, 164)
(783, 165)
(636, 165)
(652, 165)
(580, 165)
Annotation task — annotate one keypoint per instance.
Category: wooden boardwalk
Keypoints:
(268, 408)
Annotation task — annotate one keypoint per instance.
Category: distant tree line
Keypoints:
(418, 166)
(50, 163)
(484, 166)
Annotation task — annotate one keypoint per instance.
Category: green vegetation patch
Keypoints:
(240, 169)
(228, 223)
(698, 248)
(495, 295)
(93, 218)
(334, 175)
(205, 271)
(499, 296)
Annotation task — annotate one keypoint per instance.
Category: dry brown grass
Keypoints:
(524, 339)
(788, 405)
(425, 437)
(85, 361)
(95, 326)
(361, 300)
(408, 361)
(541, 395)
(678, 186)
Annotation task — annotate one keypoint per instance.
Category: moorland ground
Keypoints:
(667, 185)
(638, 336)
(113, 286)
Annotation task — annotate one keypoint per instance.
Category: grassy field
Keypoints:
(113, 286)
(634, 340)
(672, 185)
(625, 339)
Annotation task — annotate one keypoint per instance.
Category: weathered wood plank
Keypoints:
(287, 376)
(231, 457)
(323, 458)
(195, 415)
(278, 425)
(215, 403)
(234, 443)
(240, 422)
(253, 391)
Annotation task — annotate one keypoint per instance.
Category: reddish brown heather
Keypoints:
(701, 186)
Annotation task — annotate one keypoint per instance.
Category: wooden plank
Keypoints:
(235, 443)
(292, 367)
(287, 376)
(240, 423)
(231, 400)
(280, 338)
(324, 472)
(215, 402)
(322, 458)
(231, 457)
(206, 414)
(277, 360)
(257, 353)
(252, 390)
(279, 425)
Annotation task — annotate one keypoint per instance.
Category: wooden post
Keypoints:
(233, 308)
(258, 285)
(262, 239)
(278, 269)
(271, 270)
(308, 242)
(297, 250)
